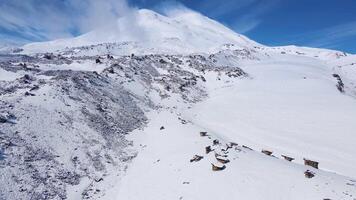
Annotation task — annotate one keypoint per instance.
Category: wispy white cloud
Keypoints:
(331, 36)
(170, 7)
(253, 15)
(33, 19)
(49, 19)
(245, 24)
(240, 15)
(218, 9)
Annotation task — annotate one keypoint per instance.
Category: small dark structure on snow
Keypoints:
(217, 167)
(311, 163)
(222, 160)
(232, 144)
(268, 153)
(196, 158)
(290, 159)
(309, 174)
(208, 149)
(203, 133)
(162, 128)
(246, 147)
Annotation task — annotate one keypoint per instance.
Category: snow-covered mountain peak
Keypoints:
(178, 32)
(194, 104)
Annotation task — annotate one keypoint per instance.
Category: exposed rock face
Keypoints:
(340, 85)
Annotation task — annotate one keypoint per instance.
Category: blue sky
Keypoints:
(315, 23)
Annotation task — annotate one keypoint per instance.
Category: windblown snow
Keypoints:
(176, 106)
(147, 32)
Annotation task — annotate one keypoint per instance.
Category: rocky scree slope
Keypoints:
(63, 127)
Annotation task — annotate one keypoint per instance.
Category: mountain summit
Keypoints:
(177, 32)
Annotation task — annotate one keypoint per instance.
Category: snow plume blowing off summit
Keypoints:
(41, 20)
(175, 29)
(36, 20)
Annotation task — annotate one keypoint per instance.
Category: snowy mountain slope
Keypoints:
(63, 130)
(346, 68)
(184, 32)
(74, 119)
(266, 110)
(291, 106)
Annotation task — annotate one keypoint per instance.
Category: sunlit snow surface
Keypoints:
(184, 77)
(147, 32)
(290, 106)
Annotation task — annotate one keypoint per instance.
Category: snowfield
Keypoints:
(163, 169)
(290, 107)
(190, 111)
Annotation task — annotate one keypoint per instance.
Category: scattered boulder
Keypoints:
(311, 163)
(216, 142)
(227, 147)
(98, 179)
(162, 128)
(27, 79)
(111, 70)
(203, 133)
(208, 149)
(183, 121)
(203, 78)
(268, 153)
(290, 159)
(9, 118)
(3, 119)
(29, 94)
(36, 87)
(217, 167)
(162, 61)
(98, 61)
(48, 56)
(225, 150)
(309, 174)
(196, 158)
(232, 144)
